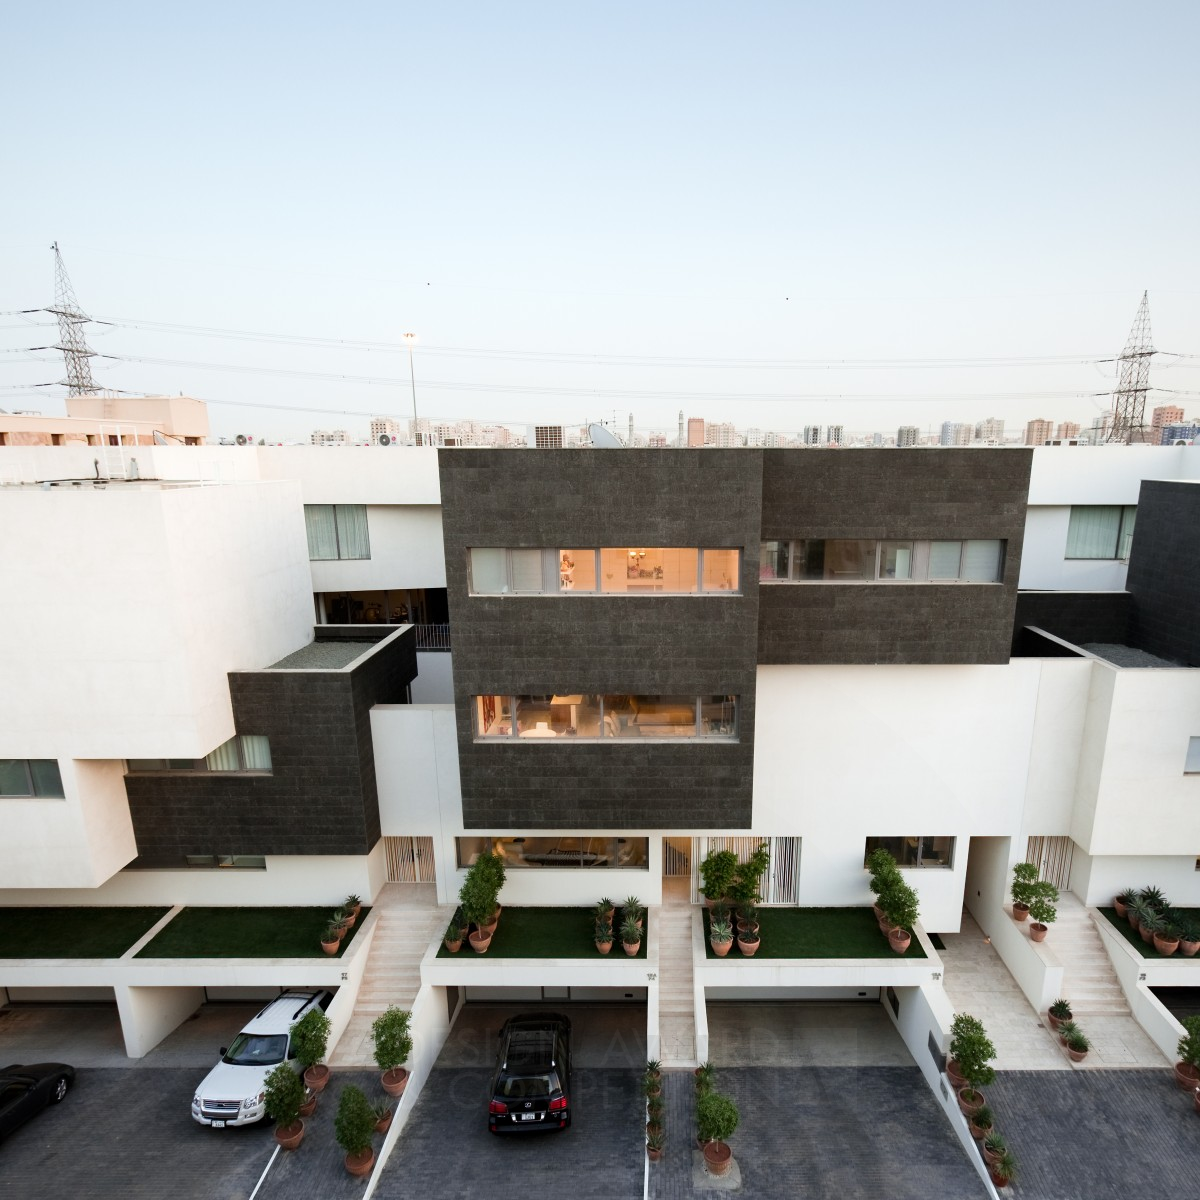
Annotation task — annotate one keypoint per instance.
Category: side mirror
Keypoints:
(223, 1051)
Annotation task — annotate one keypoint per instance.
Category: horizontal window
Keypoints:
(914, 851)
(627, 854)
(1101, 530)
(244, 752)
(605, 717)
(1191, 765)
(337, 531)
(30, 777)
(242, 862)
(866, 560)
(615, 571)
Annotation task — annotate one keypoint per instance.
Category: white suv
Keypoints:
(232, 1092)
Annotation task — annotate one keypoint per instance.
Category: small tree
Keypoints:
(716, 1117)
(884, 871)
(310, 1036)
(1042, 897)
(475, 898)
(1025, 875)
(393, 1042)
(718, 871)
(355, 1121)
(1188, 1048)
(972, 1050)
(900, 905)
(284, 1093)
(747, 875)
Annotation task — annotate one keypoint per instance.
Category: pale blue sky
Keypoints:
(687, 181)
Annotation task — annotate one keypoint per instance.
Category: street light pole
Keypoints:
(409, 338)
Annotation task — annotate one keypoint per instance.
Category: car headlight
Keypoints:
(196, 1100)
(253, 1101)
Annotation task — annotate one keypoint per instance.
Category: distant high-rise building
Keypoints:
(657, 441)
(835, 435)
(754, 437)
(908, 435)
(1067, 430)
(724, 435)
(1183, 432)
(774, 440)
(1097, 432)
(955, 433)
(812, 435)
(1166, 414)
(695, 432)
(547, 437)
(877, 439)
(384, 427)
(330, 437)
(990, 430)
(1038, 431)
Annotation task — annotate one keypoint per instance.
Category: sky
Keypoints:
(775, 214)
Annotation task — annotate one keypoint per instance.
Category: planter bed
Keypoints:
(819, 933)
(1146, 949)
(247, 933)
(546, 933)
(74, 932)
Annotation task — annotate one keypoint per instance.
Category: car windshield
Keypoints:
(528, 1087)
(256, 1049)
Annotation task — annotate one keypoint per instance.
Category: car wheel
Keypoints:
(61, 1086)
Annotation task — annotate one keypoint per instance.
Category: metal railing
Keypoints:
(433, 637)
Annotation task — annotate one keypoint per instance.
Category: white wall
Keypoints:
(434, 683)
(1096, 880)
(1105, 474)
(1044, 565)
(356, 474)
(1062, 698)
(148, 1014)
(406, 552)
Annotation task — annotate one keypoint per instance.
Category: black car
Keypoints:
(531, 1088)
(25, 1091)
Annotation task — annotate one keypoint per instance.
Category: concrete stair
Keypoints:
(1089, 982)
(393, 975)
(676, 1003)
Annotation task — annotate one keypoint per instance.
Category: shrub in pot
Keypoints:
(1150, 924)
(330, 940)
(1153, 898)
(284, 1094)
(1138, 912)
(1025, 875)
(981, 1123)
(747, 875)
(393, 1045)
(1004, 1169)
(1167, 939)
(654, 1145)
(901, 908)
(453, 936)
(310, 1037)
(704, 1073)
(631, 909)
(973, 1051)
(717, 873)
(383, 1116)
(1187, 1069)
(962, 1028)
(748, 942)
(353, 1126)
(1042, 897)
(993, 1147)
(716, 1119)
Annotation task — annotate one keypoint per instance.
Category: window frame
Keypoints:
(796, 554)
(336, 511)
(508, 712)
(199, 766)
(465, 846)
(906, 842)
(32, 782)
(1122, 537)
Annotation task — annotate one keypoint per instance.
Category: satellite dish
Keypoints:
(240, 439)
(384, 440)
(604, 439)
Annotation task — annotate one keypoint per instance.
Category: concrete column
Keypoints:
(148, 1014)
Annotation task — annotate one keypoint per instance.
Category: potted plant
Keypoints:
(654, 1114)
(353, 1126)
(747, 917)
(720, 937)
(1077, 1044)
(631, 909)
(330, 940)
(716, 1119)
(383, 1116)
(1042, 897)
(993, 1147)
(1060, 1011)
(748, 942)
(353, 905)
(1189, 938)
(310, 1102)
(283, 1092)
(963, 1028)
(1137, 912)
(631, 935)
(1024, 877)
(746, 876)
(720, 911)
(1187, 1069)
(1004, 1169)
(1150, 922)
(606, 908)
(973, 1052)
(652, 1085)
(453, 937)
(900, 909)
(654, 1067)
(1153, 897)
(1123, 900)
(310, 1036)
(704, 1078)
(476, 900)
(1166, 940)
(603, 935)
(717, 873)
(654, 1145)
(340, 920)
(393, 1045)
(981, 1123)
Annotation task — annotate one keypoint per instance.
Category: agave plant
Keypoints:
(1154, 898)
(1061, 1009)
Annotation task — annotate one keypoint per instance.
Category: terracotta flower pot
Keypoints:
(1076, 1055)
(631, 948)
(331, 948)
(970, 1106)
(720, 949)
(1020, 912)
(1038, 931)
(1120, 907)
(1001, 1181)
(717, 1158)
(453, 946)
(480, 940)
(899, 940)
(604, 947)
(652, 1154)
(384, 1123)
(749, 949)
(360, 1164)
(1147, 935)
(289, 1136)
(979, 1132)
(653, 1128)
(316, 1078)
(1164, 945)
(394, 1081)
(1188, 949)
(1187, 1076)
(351, 917)
(957, 1079)
(1055, 1022)
(991, 1157)
(310, 1105)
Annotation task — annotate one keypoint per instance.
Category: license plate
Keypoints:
(529, 1116)
(218, 1124)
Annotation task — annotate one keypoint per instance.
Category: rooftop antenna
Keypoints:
(1129, 400)
(71, 319)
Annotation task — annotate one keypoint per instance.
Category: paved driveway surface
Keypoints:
(823, 1133)
(1098, 1135)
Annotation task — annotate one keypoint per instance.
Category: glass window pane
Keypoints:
(944, 559)
(322, 531)
(847, 561)
(46, 779)
(981, 561)
(718, 716)
(721, 570)
(664, 716)
(1093, 531)
(773, 560)
(1191, 765)
(533, 717)
(493, 716)
(353, 541)
(14, 781)
(147, 764)
(469, 849)
(256, 752)
(526, 568)
(224, 757)
(895, 560)
(1128, 517)
(489, 571)
(810, 559)
(619, 714)
(577, 570)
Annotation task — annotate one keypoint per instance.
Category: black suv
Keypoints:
(531, 1088)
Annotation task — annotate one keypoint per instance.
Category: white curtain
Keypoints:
(1093, 531)
(526, 570)
(224, 757)
(256, 752)
(322, 531)
(353, 541)
(488, 573)
(981, 562)
(944, 559)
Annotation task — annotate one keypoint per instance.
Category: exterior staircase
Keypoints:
(1089, 982)
(676, 1003)
(407, 919)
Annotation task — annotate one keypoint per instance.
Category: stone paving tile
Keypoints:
(823, 1132)
(1099, 1135)
(445, 1152)
(128, 1134)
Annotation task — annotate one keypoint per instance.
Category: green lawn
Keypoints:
(1146, 949)
(78, 932)
(247, 933)
(544, 933)
(820, 933)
